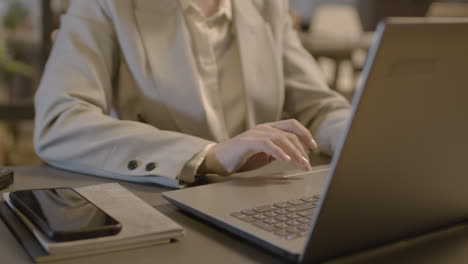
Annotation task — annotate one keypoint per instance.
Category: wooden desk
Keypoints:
(204, 243)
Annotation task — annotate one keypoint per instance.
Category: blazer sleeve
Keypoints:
(74, 129)
(308, 97)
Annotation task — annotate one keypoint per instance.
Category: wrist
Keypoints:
(203, 169)
(212, 165)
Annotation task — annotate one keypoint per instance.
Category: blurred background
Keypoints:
(338, 33)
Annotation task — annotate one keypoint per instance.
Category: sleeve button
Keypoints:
(151, 166)
(141, 119)
(132, 165)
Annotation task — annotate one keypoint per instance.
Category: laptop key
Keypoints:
(293, 223)
(281, 218)
(281, 225)
(260, 216)
(249, 212)
(237, 215)
(282, 233)
(293, 229)
(266, 227)
(304, 220)
(265, 208)
(271, 214)
(306, 212)
(296, 202)
(300, 207)
(247, 219)
(309, 199)
(281, 211)
(282, 205)
(270, 221)
(243, 217)
(293, 216)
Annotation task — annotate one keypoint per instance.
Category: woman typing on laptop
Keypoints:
(160, 91)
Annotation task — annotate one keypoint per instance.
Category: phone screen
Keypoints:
(62, 214)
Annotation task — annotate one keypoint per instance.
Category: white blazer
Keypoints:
(119, 97)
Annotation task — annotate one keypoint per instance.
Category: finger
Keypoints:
(268, 147)
(298, 144)
(293, 126)
(298, 157)
(285, 145)
(278, 134)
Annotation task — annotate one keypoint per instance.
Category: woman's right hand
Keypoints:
(286, 140)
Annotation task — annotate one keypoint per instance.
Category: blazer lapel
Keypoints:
(261, 69)
(167, 44)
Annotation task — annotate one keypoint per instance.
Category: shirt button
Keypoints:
(151, 166)
(132, 165)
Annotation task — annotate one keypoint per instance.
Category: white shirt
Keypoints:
(216, 54)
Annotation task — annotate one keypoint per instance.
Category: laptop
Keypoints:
(401, 169)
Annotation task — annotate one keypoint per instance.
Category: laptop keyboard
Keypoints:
(289, 219)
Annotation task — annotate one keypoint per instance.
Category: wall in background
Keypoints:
(305, 8)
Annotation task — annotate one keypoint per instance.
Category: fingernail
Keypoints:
(287, 157)
(306, 163)
(313, 143)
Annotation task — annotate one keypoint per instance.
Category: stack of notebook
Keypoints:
(142, 225)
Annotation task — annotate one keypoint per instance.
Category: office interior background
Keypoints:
(338, 33)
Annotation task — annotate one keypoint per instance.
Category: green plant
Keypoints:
(8, 65)
(11, 66)
(16, 14)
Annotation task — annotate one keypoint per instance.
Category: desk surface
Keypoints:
(204, 243)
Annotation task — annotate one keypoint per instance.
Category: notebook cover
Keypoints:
(22, 234)
(106, 196)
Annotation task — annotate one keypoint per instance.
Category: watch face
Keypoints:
(6, 178)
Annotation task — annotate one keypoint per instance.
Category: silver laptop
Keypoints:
(401, 170)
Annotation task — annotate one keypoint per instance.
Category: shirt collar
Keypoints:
(225, 8)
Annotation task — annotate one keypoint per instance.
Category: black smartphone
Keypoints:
(62, 214)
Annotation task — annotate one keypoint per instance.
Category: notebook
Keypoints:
(142, 225)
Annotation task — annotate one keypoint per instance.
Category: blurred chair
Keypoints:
(338, 20)
(448, 9)
(336, 33)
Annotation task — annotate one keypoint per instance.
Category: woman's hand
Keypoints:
(286, 140)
